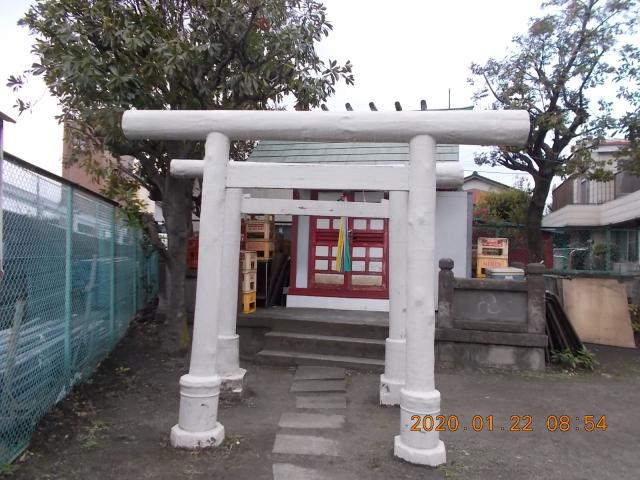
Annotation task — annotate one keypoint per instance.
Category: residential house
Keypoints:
(74, 172)
(599, 221)
(479, 186)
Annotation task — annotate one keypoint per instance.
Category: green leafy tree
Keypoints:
(102, 57)
(551, 72)
(507, 206)
(628, 75)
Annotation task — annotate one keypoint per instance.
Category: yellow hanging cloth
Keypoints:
(340, 248)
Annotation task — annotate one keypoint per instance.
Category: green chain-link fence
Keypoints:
(74, 276)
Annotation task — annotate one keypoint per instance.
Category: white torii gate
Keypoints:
(409, 353)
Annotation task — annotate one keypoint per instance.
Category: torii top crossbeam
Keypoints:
(504, 127)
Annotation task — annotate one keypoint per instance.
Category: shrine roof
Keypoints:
(363, 153)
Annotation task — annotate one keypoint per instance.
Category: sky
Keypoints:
(36, 137)
(405, 50)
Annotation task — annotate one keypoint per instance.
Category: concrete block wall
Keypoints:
(491, 323)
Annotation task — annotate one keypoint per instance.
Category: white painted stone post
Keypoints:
(419, 396)
(228, 358)
(392, 380)
(198, 424)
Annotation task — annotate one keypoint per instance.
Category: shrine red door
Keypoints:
(369, 277)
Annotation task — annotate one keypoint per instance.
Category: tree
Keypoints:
(507, 206)
(551, 72)
(628, 75)
(102, 57)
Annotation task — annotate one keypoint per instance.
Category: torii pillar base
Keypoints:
(419, 446)
(181, 438)
(420, 456)
(233, 383)
(390, 390)
(198, 408)
(392, 380)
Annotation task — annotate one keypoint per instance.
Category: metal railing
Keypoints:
(74, 275)
(601, 250)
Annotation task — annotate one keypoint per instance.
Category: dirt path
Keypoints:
(116, 425)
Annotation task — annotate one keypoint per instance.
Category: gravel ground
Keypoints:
(116, 425)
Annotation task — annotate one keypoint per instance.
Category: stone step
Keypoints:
(337, 326)
(306, 445)
(288, 471)
(324, 344)
(311, 420)
(315, 468)
(311, 372)
(279, 357)
(317, 386)
(322, 401)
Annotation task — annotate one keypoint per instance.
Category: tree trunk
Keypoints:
(535, 211)
(176, 209)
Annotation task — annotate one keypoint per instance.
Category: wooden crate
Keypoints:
(192, 252)
(262, 218)
(259, 230)
(249, 302)
(248, 260)
(263, 248)
(485, 262)
(249, 281)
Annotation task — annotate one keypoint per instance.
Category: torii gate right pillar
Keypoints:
(419, 396)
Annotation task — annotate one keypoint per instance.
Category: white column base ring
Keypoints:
(421, 456)
(193, 440)
(198, 425)
(419, 446)
(233, 382)
(390, 390)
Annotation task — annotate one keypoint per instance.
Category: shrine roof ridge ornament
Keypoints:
(489, 127)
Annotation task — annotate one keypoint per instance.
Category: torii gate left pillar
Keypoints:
(198, 424)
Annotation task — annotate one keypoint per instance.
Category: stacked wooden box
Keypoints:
(258, 233)
(192, 252)
(248, 280)
(492, 253)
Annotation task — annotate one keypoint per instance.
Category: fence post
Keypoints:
(112, 279)
(147, 278)
(135, 270)
(445, 293)
(67, 286)
(608, 251)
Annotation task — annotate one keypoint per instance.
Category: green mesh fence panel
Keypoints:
(73, 277)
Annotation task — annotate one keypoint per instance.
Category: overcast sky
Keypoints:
(404, 50)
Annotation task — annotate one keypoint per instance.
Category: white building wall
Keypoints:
(453, 235)
(281, 193)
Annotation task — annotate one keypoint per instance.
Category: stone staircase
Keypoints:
(326, 337)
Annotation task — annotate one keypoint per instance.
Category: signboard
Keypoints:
(493, 247)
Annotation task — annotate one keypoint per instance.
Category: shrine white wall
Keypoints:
(454, 216)
(453, 240)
